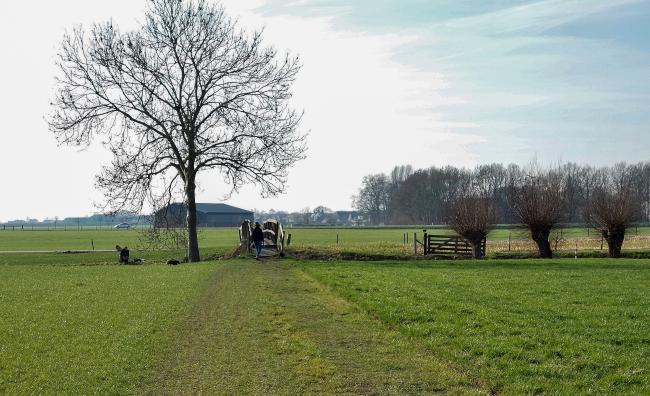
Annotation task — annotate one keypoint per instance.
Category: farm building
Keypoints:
(208, 215)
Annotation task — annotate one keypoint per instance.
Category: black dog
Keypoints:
(173, 262)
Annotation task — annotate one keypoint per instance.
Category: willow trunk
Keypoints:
(543, 245)
(615, 238)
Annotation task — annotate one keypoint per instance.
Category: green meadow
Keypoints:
(220, 238)
(80, 323)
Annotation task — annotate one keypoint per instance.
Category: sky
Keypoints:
(383, 83)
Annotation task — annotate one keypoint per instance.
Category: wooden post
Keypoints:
(415, 243)
(425, 242)
(289, 240)
(509, 240)
(407, 238)
(92, 242)
(337, 239)
(576, 252)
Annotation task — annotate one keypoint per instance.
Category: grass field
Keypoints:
(102, 239)
(221, 239)
(563, 327)
(79, 323)
(88, 329)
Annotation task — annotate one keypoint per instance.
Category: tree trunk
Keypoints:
(615, 238)
(193, 254)
(477, 252)
(543, 245)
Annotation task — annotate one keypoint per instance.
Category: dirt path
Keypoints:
(268, 328)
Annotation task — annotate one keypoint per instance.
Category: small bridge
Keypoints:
(274, 238)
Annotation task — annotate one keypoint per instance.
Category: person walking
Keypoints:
(258, 239)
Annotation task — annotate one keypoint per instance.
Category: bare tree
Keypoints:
(538, 201)
(472, 216)
(323, 215)
(374, 198)
(185, 93)
(398, 175)
(616, 205)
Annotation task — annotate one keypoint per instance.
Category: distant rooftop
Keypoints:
(220, 208)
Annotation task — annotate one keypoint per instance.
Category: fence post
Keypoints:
(415, 243)
(425, 242)
(289, 240)
(92, 242)
(337, 239)
(509, 240)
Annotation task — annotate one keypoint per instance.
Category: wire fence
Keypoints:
(70, 227)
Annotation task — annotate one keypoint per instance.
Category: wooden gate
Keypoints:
(449, 246)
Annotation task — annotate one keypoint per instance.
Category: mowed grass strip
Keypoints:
(89, 329)
(270, 329)
(532, 327)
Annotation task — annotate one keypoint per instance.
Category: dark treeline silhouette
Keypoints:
(472, 201)
(408, 196)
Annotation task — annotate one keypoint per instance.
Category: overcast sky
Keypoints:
(384, 82)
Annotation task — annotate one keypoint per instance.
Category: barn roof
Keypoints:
(220, 208)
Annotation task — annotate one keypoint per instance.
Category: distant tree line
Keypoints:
(319, 216)
(472, 201)
(96, 220)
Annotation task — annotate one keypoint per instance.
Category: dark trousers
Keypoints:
(258, 248)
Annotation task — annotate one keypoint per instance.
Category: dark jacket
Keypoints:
(124, 255)
(258, 235)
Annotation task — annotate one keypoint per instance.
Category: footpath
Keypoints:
(268, 328)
